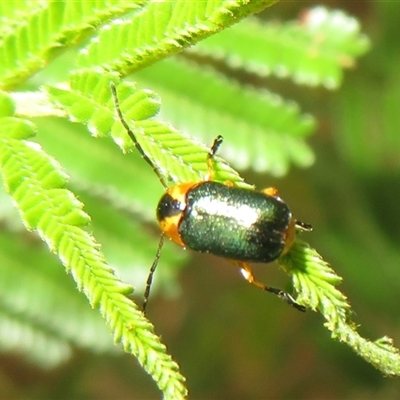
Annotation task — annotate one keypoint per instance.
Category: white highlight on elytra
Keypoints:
(244, 214)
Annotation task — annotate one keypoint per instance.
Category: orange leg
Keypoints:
(270, 191)
(248, 275)
(229, 183)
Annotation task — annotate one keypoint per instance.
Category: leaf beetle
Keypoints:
(241, 225)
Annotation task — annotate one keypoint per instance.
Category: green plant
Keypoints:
(132, 42)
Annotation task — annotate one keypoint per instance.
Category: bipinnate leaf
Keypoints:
(315, 281)
(37, 185)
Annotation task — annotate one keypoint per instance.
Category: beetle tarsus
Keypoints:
(247, 273)
(303, 226)
(290, 300)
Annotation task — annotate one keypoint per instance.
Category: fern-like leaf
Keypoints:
(180, 158)
(313, 51)
(50, 309)
(32, 32)
(118, 183)
(161, 29)
(271, 130)
(23, 337)
(315, 282)
(129, 247)
(36, 184)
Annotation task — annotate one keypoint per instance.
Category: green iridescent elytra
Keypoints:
(231, 222)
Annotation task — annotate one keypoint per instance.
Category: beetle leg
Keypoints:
(229, 183)
(247, 273)
(210, 158)
(270, 191)
(210, 161)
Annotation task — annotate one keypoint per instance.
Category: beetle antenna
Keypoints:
(133, 137)
(151, 273)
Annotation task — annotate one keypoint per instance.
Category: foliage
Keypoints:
(44, 45)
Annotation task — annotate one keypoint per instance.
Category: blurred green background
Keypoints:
(235, 342)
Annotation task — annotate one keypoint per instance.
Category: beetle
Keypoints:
(241, 225)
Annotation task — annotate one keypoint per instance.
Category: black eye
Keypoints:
(168, 207)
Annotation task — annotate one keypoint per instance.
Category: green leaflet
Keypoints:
(36, 183)
(161, 29)
(34, 322)
(315, 282)
(180, 158)
(34, 32)
(313, 50)
(261, 130)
